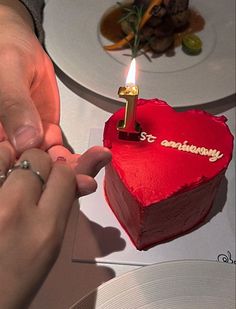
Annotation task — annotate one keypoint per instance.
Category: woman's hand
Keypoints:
(33, 218)
(33, 214)
(32, 222)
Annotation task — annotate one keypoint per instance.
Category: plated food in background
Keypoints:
(153, 27)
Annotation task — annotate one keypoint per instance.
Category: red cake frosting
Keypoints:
(165, 183)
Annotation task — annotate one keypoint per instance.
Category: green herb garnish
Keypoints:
(133, 16)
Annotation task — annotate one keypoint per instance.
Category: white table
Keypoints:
(68, 281)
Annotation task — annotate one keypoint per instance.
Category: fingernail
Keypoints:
(61, 159)
(26, 137)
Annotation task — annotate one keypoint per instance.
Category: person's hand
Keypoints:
(29, 102)
(33, 214)
(32, 222)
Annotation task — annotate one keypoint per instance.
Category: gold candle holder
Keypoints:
(128, 127)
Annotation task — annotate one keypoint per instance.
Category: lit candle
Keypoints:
(129, 128)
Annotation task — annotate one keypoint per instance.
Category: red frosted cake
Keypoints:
(164, 184)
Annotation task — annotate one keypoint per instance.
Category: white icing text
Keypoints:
(213, 154)
(149, 137)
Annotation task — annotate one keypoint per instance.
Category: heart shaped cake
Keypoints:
(164, 184)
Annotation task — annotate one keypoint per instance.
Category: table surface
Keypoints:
(69, 281)
(81, 110)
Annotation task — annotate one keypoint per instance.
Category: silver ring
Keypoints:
(25, 165)
(2, 178)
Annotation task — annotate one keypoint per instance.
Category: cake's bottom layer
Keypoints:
(160, 221)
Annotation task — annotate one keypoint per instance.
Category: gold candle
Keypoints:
(128, 127)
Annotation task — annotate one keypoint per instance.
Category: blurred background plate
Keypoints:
(171, 285)
(75, 44)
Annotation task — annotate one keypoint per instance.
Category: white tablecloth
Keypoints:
(68, 281)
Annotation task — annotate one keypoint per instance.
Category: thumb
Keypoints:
(21, 121)
(18, 114)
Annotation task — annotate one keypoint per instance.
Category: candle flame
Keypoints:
(130, 80)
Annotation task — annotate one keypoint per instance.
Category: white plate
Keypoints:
(170, 285)
(75, 44)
